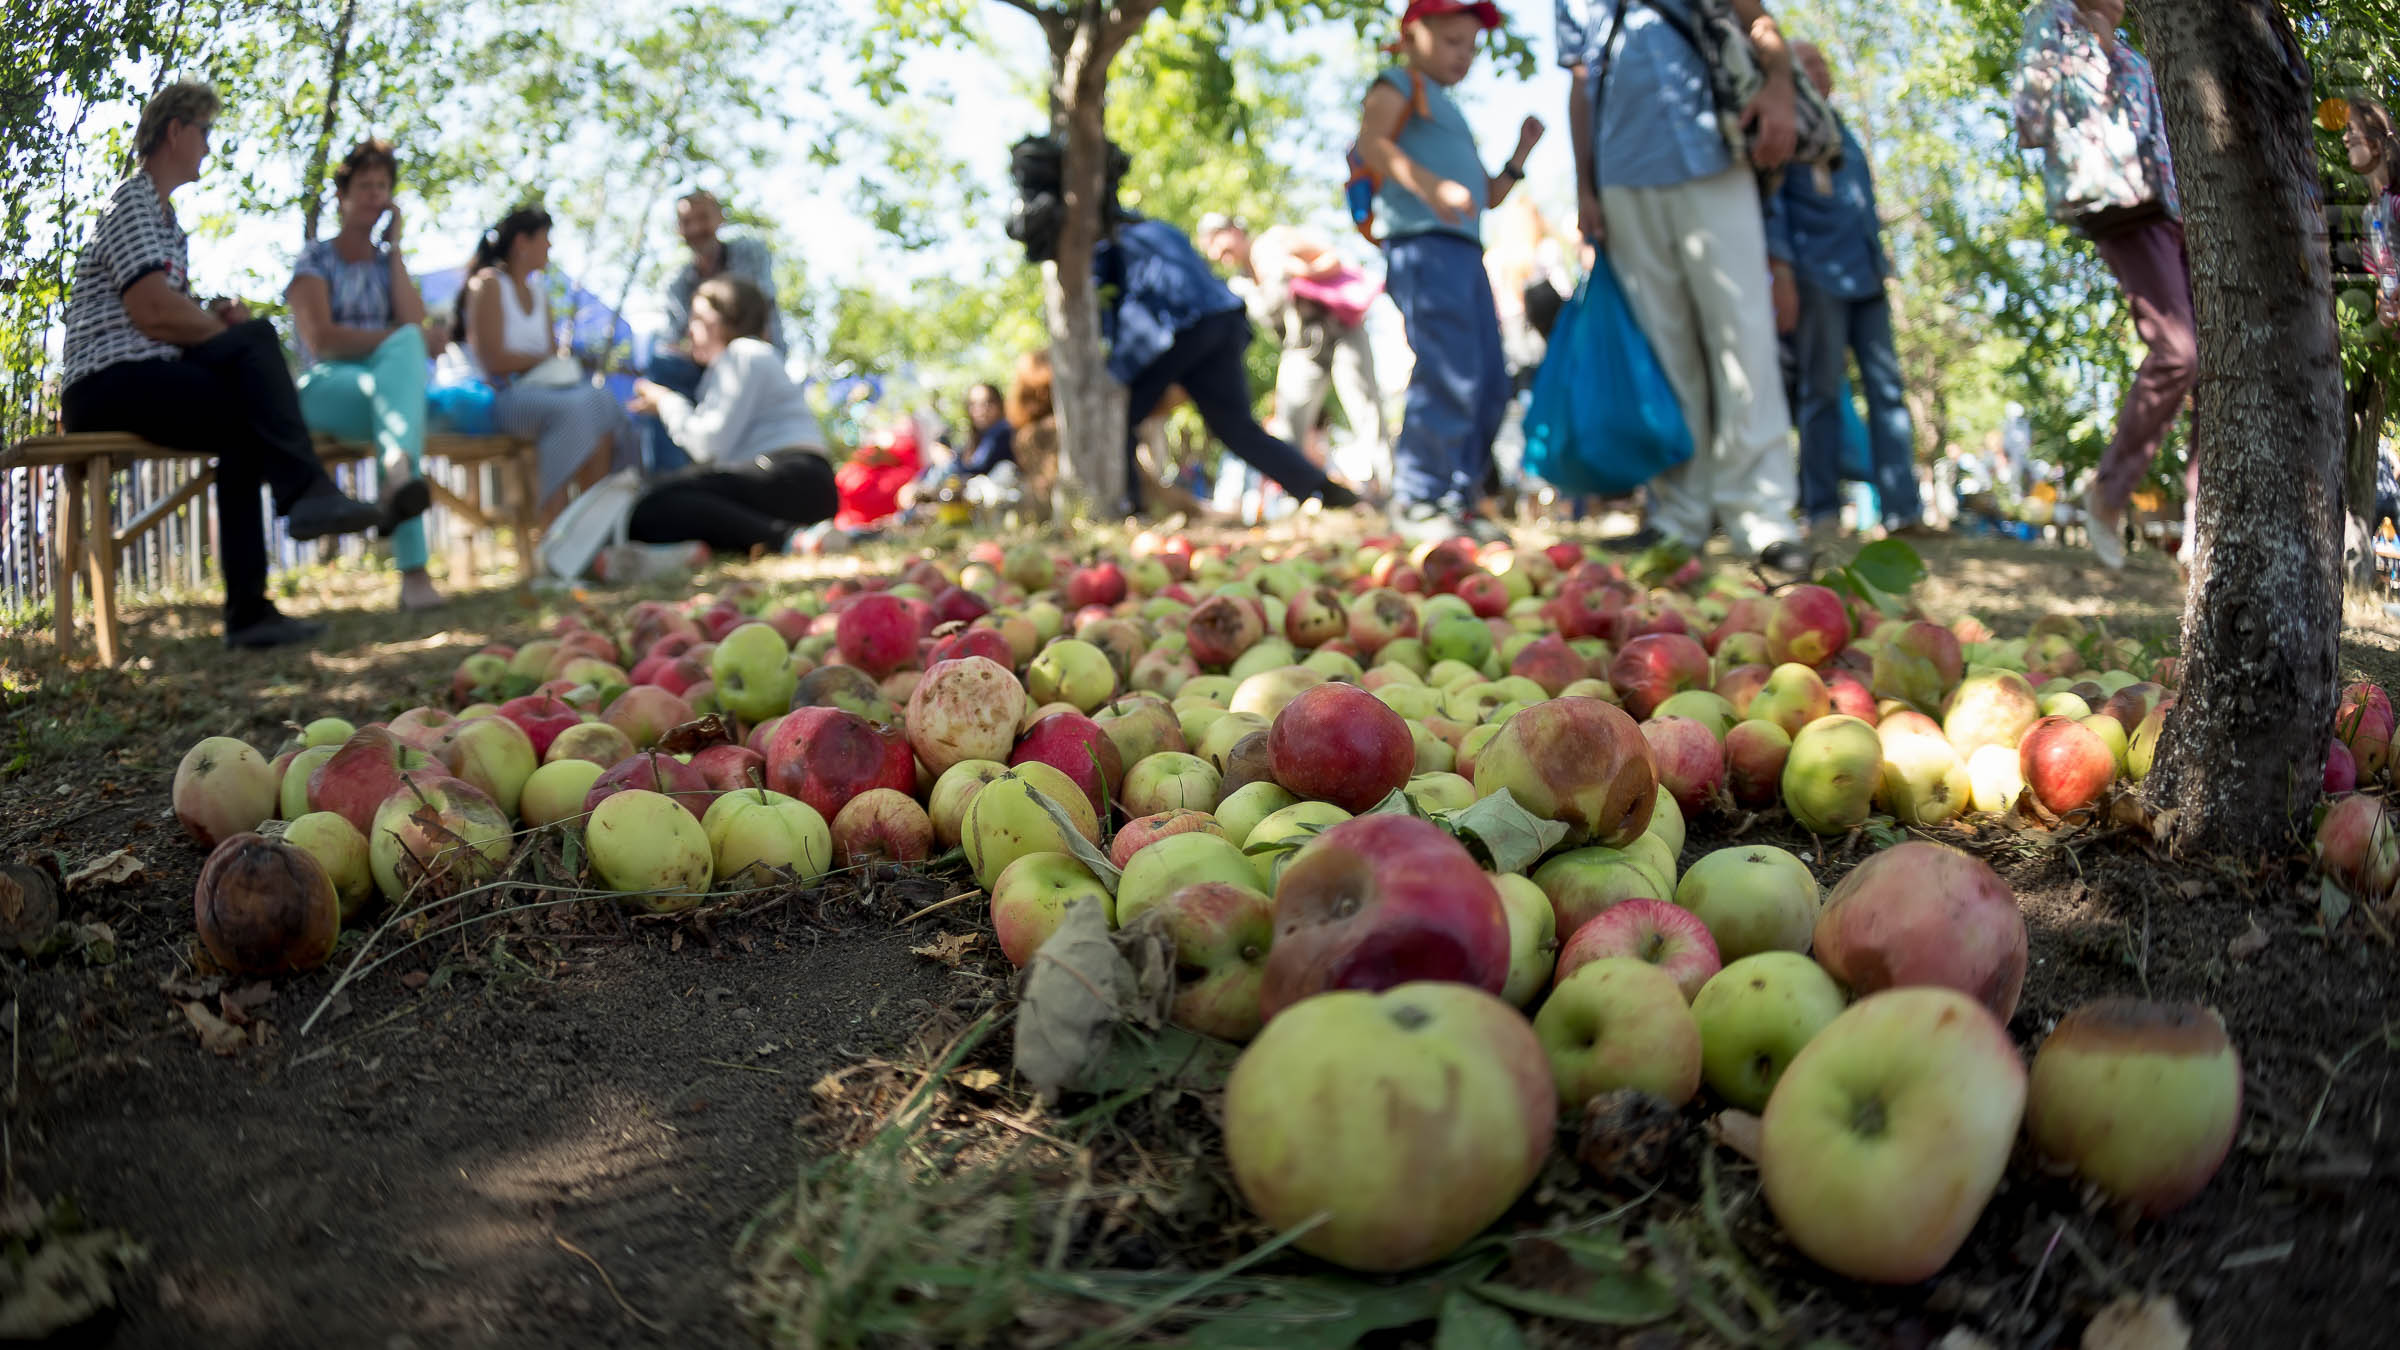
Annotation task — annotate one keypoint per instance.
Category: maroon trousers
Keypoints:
(2150, 263)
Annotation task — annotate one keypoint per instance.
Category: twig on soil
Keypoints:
(355, 1037)
(609, 1284)
(745, 1068)
(2026, 1303)
(941, 904)
(2333, 1074)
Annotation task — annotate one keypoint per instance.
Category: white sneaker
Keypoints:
(2107, 532)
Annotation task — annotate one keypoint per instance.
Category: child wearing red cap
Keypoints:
(1433, 193)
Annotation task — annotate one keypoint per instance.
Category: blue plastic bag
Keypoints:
(1858, 454)
(1603, 419)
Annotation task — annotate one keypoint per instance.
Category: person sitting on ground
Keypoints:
(360, 321)
(700, 220)
(995, 441)
(1433, 193)
(142, 356)
(542, 394)
(758, 474)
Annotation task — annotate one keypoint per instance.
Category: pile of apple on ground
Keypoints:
(1369, 800)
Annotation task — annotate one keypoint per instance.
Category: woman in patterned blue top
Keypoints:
(360, 321)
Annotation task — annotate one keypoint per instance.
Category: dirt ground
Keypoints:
(551, 1130)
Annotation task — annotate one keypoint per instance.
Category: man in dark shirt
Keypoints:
(1826, 242)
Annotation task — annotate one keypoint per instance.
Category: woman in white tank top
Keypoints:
(504, 324)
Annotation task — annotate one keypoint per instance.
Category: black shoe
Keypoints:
(404, 503)
(1646, 537)
(323, 510)
(1337, 497)
(1790, 557)
(275, 630)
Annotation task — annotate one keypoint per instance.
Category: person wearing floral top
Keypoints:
(2372, 146)
(2088, 99)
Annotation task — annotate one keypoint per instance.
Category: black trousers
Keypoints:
(1207, 361)
(734, 510)
(230, 397)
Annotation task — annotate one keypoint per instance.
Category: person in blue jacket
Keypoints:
(1825, 243)
(1170, 321)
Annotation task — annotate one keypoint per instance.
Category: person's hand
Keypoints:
(1787, 298)
(229, 312)
(1589, 222)
(1528, 136)
(1452, 203)
(645, 397)
(1772, 121)
(391, 226)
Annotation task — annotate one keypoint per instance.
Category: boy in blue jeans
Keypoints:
(1432, 197)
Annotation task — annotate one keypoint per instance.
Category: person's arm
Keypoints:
(408, 303)
(163, 314)
(1498, 187)
(712, 429)
(1581, 113)
(311, 302)
(1304, 253)
(1773, 115)
(2037, 79)
(486, 325)
(1380, 121)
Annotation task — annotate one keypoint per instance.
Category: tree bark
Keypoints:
(312, 183)
(2244, 752)
(1093, 472)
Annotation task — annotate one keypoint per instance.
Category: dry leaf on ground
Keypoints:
(2249, 944)
(217, 1035)
(1736, 1130)
(109, 869)
(1076, 989)
(949, 948)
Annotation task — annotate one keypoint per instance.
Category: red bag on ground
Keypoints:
(868, 483)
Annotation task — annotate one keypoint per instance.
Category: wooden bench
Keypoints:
(83, 538)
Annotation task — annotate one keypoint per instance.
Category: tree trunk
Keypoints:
(2244, 753)
(1090, 404)
(312, 183)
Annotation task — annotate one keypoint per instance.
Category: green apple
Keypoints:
(1170, 780)
(1286, 831)
(1754, 898)
(1175, 861)
(1756, 1014)
(1222, 933)
(1620, 1022)
(1071, 671)
(1410, 1119)
(1532, 937)
(1005, 821)
(2141, 1099)
(1829, 780)
(1439, 792)
(1666, 825)
(1707, 707)
(1030, 899)
(1244, 807)
(1888, 1132)
(752, 831)
(1582, 882)
(1416, 702)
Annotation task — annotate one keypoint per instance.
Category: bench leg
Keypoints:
(66, 557)
(100, 549)
(524, 511)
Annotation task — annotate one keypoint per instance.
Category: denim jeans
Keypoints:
(674, 370)
(1458, 393)
(380, 399)
(1831, 328)
(1207, 361)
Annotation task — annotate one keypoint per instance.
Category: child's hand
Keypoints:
(1528, 137)
(1452, 203)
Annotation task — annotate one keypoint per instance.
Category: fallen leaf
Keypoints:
(2137, 1323)
(949, 948)
(1514, 837)
(1737, 1130)
(251, 995)
(979, 1080)
(1076, 988)
(1080, 847)
(2249, 944)
(698, 735)
(217, 1035)
(98, 943)
(414, 979)
(109, 869)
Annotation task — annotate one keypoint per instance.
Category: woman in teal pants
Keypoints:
(360, 320)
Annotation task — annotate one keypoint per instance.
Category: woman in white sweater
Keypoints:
(758, 472)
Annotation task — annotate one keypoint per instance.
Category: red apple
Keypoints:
(651, 771)
(1580, 761)
(1380, 901)
(364, 771)
(2066, 764)
(730, 768)
(1666, 935)
(1922, 913)
(1379, 617)
(1340, 744)
(1689, 760)
(1221, 628)
(1078, 747)
(877, 634)
(826, 756)
(645, 713)
(1810, 624)
(1650, 668)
